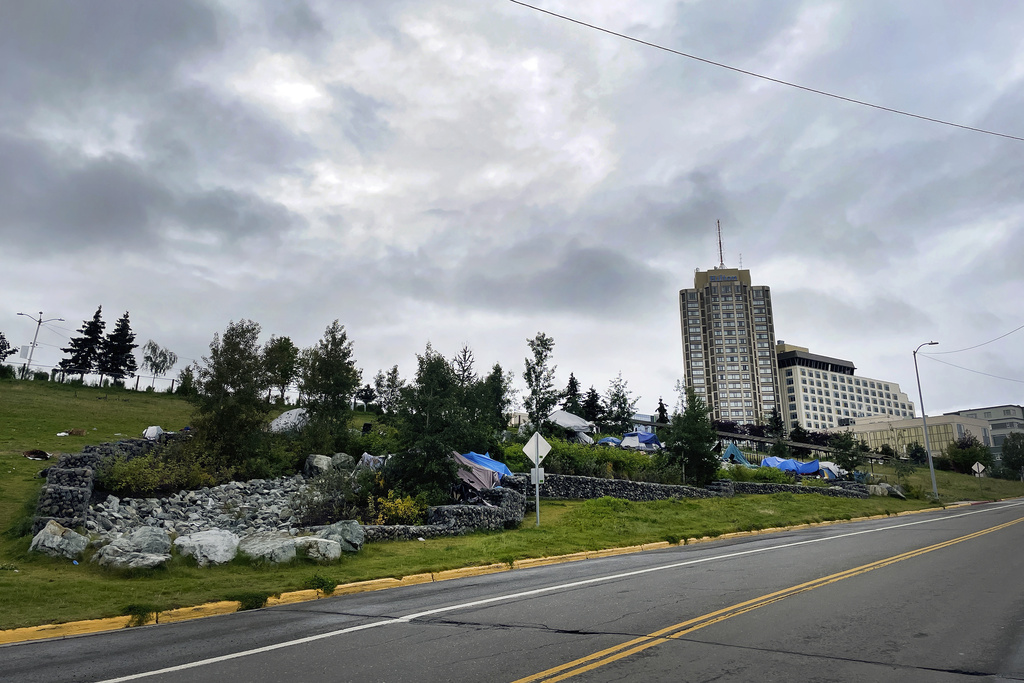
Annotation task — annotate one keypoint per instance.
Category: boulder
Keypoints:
(290, 420)
(876, 490)
(343, 461)
(316, 464)
(152, 540)
(123, 553)
(214, 546)
(268, 546)
(894, 491)
(58, 541)
(348, 533)
(320, 549)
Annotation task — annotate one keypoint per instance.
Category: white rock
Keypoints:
(58, 541)
(270, 546)
(320, 549)
(214, 546)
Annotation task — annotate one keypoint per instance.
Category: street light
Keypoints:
(924, 420)
(32, 349)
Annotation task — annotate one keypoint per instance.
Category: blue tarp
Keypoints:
(610, 441)
(645, 438)
(487, 462)
(734, 454)
(790, 465)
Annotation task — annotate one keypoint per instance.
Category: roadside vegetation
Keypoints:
(446, 405)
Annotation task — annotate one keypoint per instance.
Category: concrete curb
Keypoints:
(78, 628)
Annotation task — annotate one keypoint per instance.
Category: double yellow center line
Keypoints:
(632, 647)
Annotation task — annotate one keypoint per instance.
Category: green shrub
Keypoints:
(140, 613)
(770, 475)
(250, 599)
(41, 376)
(395, 509)
(328, 498)
(321, 583)
(176, 466)
(7, 372)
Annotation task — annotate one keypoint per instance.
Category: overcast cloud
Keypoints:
(467, 172)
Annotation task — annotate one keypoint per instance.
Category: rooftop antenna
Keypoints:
(741, 261)
(721, 257)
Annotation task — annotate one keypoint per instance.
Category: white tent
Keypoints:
(570, 421)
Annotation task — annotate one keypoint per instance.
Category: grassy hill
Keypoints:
(35, 589)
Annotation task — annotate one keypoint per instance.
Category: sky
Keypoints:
(475, 172)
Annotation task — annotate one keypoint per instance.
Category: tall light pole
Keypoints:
(39, 323)
(924, 420)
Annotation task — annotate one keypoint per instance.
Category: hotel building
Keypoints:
(820, 392)
(728, 336)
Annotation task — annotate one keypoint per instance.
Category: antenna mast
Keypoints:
(721, 257)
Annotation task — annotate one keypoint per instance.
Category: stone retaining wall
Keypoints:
(572, 487)
(69, 483)
(508, 509)
(750, 487)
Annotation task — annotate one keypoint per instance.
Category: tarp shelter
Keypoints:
(609, 441)
(487, 461)
(791, 465)
(643, 441)
(570, 421)
(289, 420)
(830, 470)
(735, 455)
(475, 474)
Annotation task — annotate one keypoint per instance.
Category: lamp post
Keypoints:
(39, 321)
(924, 420)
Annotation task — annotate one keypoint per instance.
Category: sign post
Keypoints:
(535, 449)
(978, 469)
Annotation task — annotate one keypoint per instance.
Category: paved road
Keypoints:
(931, 597)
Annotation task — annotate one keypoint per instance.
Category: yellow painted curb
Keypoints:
(414, 579)
(294, 596)
(656, 546)
(470, 571)
(72, 628)
(365, 586)
(541, 561)
(206, 610)
(609, 552)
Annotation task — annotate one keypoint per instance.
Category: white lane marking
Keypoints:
(536, 591)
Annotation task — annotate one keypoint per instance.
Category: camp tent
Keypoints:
(609, 441)
(487, 461)
(475, 474)
(735, 455)
(791, 465)
(642, 441)
(570, 421)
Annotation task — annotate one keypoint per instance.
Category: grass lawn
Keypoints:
(35, 589)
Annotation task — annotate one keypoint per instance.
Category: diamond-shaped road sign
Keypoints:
(536, 448)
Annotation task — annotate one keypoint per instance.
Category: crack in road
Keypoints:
(837, 658)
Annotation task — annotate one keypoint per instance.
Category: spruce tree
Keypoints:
(115, 357)
(593, 406)
(571, 397)
(85, 349)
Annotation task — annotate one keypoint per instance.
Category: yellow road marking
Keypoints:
(661, 636)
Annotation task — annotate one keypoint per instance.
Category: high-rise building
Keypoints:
(729, 345)
(820, 392)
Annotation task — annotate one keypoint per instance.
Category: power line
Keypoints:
(769, 78)
(977, 372)
(940, 353)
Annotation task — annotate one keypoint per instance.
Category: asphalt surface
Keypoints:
(931, 597)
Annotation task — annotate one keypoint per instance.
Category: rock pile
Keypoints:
(252, 506)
